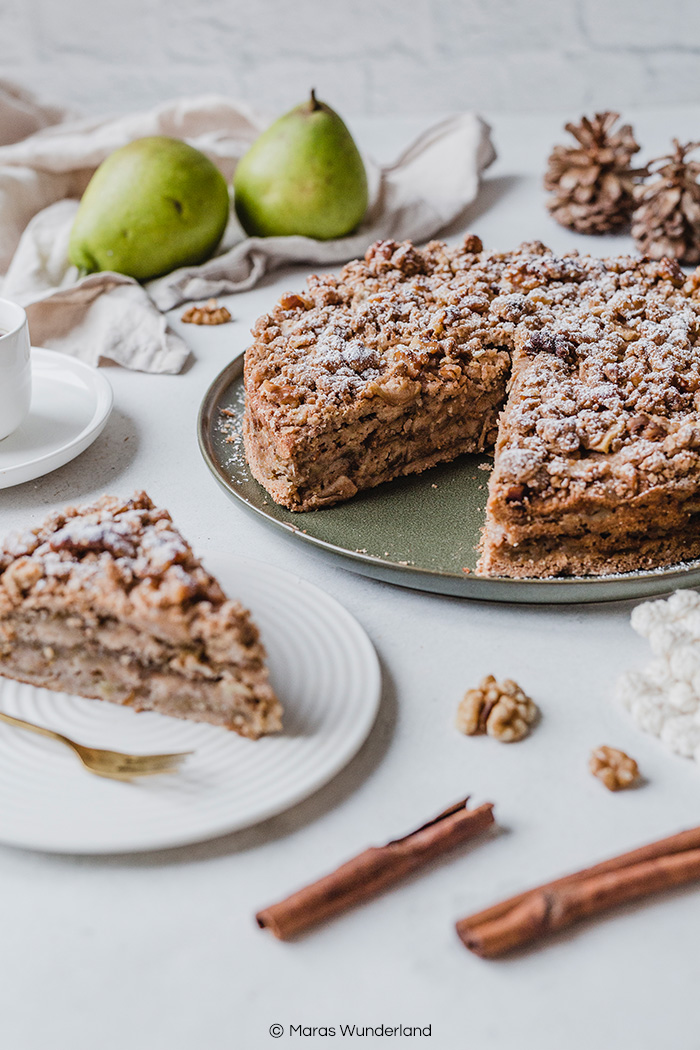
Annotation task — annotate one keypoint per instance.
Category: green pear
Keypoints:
(150, 207)
(303, 175)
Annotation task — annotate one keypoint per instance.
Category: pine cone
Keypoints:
(593, 182)
(666, 221)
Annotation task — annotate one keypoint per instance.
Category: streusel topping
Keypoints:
(608, 392)
(605, 334)
(121, 559)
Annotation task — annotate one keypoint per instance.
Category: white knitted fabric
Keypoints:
(664, 697)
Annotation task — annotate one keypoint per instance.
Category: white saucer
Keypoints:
(71, 403)
(325, 671)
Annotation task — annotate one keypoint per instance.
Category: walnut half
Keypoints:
(500, 709)
(616, 769)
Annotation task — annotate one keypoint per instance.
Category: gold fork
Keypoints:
(112, 764)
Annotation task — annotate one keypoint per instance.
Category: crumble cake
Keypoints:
(407, 357)
(386, 370)
(108, 601)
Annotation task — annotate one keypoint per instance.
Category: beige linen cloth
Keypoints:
(108, 315)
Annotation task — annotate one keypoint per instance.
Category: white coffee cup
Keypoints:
(15, 367)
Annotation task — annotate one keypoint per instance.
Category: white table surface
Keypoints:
(160, 950)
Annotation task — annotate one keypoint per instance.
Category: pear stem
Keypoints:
(315, 104)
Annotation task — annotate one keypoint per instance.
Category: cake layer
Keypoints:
(73, 631)
(589, 556)
(599, 513)
(248, 707)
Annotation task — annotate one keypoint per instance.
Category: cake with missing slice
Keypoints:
(582, 374)
(108, 601)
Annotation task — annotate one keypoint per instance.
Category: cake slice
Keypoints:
(108, 601)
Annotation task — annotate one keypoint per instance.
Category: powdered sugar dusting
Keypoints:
(116, 545)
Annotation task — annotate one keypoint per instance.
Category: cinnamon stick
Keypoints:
(374, 870)
(530, 916)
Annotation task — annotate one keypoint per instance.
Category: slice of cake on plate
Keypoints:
(108, 601)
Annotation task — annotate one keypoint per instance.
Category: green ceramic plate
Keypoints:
(419, 532)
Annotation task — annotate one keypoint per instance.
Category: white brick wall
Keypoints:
(364, 56)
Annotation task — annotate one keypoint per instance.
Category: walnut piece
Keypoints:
(210, 313)
(20, 576)
(500, 709)
(616, 769)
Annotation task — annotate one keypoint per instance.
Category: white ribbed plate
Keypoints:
(325, 671)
